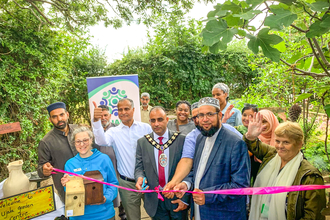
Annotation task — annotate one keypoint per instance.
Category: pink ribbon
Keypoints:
(239, 191)
(159, 195)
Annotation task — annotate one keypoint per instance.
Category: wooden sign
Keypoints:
(11, 127)
(28, 205)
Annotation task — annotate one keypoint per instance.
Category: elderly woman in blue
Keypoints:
(220, 91)
(89, 159)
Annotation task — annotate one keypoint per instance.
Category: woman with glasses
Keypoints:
(182, 122)
(89, 159)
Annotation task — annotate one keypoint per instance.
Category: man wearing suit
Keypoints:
(221, 161)
(157, 156)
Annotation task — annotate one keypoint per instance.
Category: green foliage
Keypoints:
(36, 69)
(280, 17)
(316, 155)
(265, 40)
(77, 15)
(302, 97)
(173, 67)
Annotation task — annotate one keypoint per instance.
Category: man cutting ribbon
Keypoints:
(157, 156)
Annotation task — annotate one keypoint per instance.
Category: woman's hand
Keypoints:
(65, 179)
(228, 114)
(255, 127)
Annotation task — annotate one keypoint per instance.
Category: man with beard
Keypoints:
(123, 139)
(221, 161)
(186, 162)
(55, 148)
(145, 107)
(107, 124)
(106, 118)
(157, 156)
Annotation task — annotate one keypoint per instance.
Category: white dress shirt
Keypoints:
(166, 152)
(208, 146)
(123, 139)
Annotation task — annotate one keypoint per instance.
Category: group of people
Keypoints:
(219, 147)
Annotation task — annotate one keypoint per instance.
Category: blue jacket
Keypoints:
(228, 167)
(101, 162)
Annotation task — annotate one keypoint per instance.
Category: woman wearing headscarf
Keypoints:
(284, 165)
(270, 123)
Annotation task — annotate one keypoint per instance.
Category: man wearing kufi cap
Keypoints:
(221, 161)
(55, 148)
(186, 162)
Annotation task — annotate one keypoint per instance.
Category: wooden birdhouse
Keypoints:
(93, 190)
(75, 197)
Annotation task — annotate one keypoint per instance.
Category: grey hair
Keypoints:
(126, 99)
(155, 108)
(223, 87)
(145, 94)
(80, 129)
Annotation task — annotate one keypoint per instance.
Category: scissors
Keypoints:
(144, 185)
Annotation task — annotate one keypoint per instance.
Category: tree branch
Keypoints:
(312, 64)
(325, 70)
(319, 50)
(21, 7)
(40, 12)
(6, 53)
(51, 3)
(299, 29)
(12, 15)
(303, 71)
(312, 16)
(309, 55)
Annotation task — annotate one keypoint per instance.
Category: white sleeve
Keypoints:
(101, 138)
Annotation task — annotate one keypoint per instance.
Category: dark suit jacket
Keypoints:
(145, 166)
(227, 167)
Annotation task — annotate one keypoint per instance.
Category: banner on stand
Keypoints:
(108, 90)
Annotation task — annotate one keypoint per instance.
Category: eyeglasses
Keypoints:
(85, 141)
(157, 119)
(194, 117)
(207, 115)
(250, 105)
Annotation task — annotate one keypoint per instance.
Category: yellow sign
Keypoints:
(28, 205)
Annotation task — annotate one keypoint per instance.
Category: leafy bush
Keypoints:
(316, 155)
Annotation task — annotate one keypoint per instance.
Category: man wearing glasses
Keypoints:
(145, 107)
(221, 161)
(186, 161)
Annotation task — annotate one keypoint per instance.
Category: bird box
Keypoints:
(75, 197)
(93, 190)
